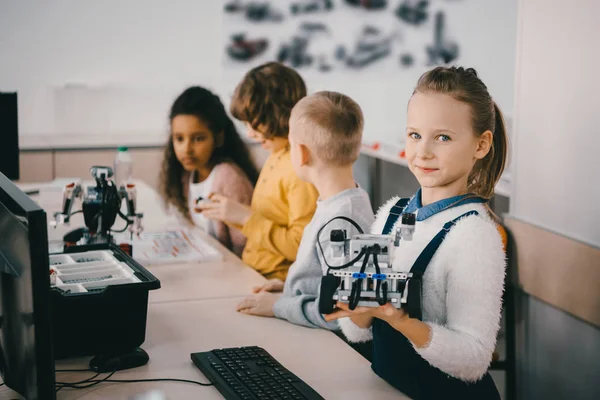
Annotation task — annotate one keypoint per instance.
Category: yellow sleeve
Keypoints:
(285, 239)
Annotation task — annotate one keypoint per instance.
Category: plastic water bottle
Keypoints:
(123, 166)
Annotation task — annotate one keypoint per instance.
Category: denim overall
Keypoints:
(394, 358)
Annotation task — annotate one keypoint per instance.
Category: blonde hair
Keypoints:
(333, 125)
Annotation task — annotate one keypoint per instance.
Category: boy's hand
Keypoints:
(258, 304)
(224, 209)
(272, 285)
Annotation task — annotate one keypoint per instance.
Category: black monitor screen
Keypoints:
(26, 359)
(9, 136)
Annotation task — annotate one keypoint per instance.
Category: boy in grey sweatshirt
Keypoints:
(325, 138)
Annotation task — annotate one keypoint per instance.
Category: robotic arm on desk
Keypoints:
(101, 204)
(365, 274)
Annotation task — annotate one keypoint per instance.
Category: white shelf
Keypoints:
(93, 142)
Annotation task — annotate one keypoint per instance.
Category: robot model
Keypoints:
(101, 203)
(367, 275)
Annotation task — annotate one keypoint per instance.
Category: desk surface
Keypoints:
(203, 281)
(175, 330)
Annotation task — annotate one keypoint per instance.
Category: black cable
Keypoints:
(380, 300)
(123, 216)
(124, 229)
(2, 384)
(348, 264)
(73, 370)
(357, 285)
(91, 381)
(101, 212)
(73, 385)
(87, 380)
(157, 380)
(321, 247)
(75, 212)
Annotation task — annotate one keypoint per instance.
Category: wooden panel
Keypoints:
(76, 163)
(35, 166)
(558, 270)
(147, 164)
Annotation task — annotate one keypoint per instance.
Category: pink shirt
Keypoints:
(228, 180)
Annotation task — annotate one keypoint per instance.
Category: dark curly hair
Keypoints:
(207, 107)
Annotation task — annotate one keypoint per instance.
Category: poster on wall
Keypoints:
(372, 50)
(330, 36)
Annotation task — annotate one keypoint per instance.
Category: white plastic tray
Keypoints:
(82, 272)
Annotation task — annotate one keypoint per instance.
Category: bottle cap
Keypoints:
(122, 148)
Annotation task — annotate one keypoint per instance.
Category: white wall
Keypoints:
(556, 168)
(135, 56)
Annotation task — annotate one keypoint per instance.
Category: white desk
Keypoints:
(185, 316)
(203, 281)
(175, 330)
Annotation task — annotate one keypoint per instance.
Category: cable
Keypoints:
(357, 285)
(378, 286)
(89, 382)
(157, 380)
(348, 264)
(122, 230)
(362, 252)
(73, 370)
(80, 382)
(61, 385)
(92, 382)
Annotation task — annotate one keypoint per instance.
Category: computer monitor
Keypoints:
(9, 136)
(26, 359)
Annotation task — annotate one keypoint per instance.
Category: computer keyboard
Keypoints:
(248, 373)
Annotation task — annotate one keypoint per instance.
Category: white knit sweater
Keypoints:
(462, 289)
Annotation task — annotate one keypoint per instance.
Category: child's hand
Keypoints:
(272, 285)
(386, 312)
(224, 209)
(258, 304)
(342, 310)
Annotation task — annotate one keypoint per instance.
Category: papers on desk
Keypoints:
(173, 246)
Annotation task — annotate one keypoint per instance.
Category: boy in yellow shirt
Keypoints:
(282, 204)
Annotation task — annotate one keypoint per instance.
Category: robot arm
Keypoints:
(129, 193)
(71, 191)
